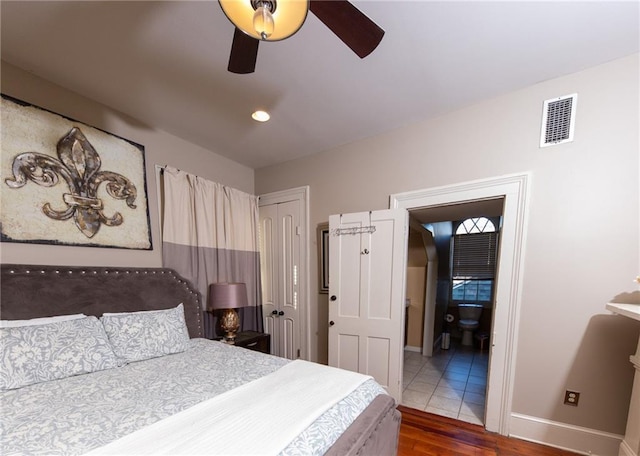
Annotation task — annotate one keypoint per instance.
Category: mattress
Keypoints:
(78, 414)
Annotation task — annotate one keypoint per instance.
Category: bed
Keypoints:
(160, 388)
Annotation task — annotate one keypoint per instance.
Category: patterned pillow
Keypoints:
(39, 321)
(34, 354)
(142, 335)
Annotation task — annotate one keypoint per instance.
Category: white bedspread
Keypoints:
(259, 418)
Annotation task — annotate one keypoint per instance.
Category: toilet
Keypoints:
(469, 321)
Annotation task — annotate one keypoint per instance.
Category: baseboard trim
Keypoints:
(564, 436)
(626, 450)
(409, 348)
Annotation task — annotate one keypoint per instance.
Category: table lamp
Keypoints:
(228, 297)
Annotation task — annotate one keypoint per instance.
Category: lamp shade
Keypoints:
(288, 16)
(227, 296)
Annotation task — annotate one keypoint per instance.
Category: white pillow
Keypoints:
(136, 336)
(39, 353)
(39, 321)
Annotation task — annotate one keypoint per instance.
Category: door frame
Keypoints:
(502, 359)
(300, 194)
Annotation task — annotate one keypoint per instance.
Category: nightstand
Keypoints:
(254, 340)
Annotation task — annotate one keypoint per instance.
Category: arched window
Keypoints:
(475, 247)
(476, 225)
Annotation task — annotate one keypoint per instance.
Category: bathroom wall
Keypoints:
(442, 232)
(415, 289)
(415, 293)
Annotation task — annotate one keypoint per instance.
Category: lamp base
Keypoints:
(230, 323)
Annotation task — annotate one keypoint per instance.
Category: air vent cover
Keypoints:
(558, 118)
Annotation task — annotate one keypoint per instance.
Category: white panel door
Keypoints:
(367, 268)
(280, 264)
(269, 270)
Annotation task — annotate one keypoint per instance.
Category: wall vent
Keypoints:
(558, 118)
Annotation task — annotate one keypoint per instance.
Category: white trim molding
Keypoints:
(565, 436)
(626, 450)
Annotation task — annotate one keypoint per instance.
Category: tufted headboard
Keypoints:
(29, 291)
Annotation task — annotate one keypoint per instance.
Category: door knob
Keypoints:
(333, 297)
(281, 313)
(275, 312)
(331, 323)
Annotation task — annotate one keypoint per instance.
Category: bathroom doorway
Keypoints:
(502, 351)
(442, 375)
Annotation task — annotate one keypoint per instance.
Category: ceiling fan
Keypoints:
(274, 20)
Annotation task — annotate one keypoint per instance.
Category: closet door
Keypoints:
(269, 271)
(280, 253)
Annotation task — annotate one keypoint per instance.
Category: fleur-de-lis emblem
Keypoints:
(79, 166)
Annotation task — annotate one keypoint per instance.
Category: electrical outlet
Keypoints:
(571, 398)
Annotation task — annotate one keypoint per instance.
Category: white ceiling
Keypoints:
(164, 64)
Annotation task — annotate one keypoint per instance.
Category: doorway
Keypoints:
(514, 190)
(442, 373)
(431, 231)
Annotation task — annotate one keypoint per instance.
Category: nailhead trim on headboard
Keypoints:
(26, 288)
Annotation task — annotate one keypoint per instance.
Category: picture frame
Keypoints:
(68, 183)
(323, 258)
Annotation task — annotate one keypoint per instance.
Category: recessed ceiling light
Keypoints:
(261, 116)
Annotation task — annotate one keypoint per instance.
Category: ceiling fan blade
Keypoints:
(244, 52)
(355, 29)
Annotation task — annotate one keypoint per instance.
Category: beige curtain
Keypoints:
(210, 235)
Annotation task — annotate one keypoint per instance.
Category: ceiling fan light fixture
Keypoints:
(263, 20)
(266, 20)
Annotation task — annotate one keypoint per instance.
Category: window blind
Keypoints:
(474, 255)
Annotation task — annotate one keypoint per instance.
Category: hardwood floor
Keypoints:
(423, 434)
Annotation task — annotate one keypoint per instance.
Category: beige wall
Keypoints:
(161, 148)
(582, 243)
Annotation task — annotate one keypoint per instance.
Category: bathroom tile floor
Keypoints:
(451, 383)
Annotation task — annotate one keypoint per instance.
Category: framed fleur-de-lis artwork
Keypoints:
(64, 182)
